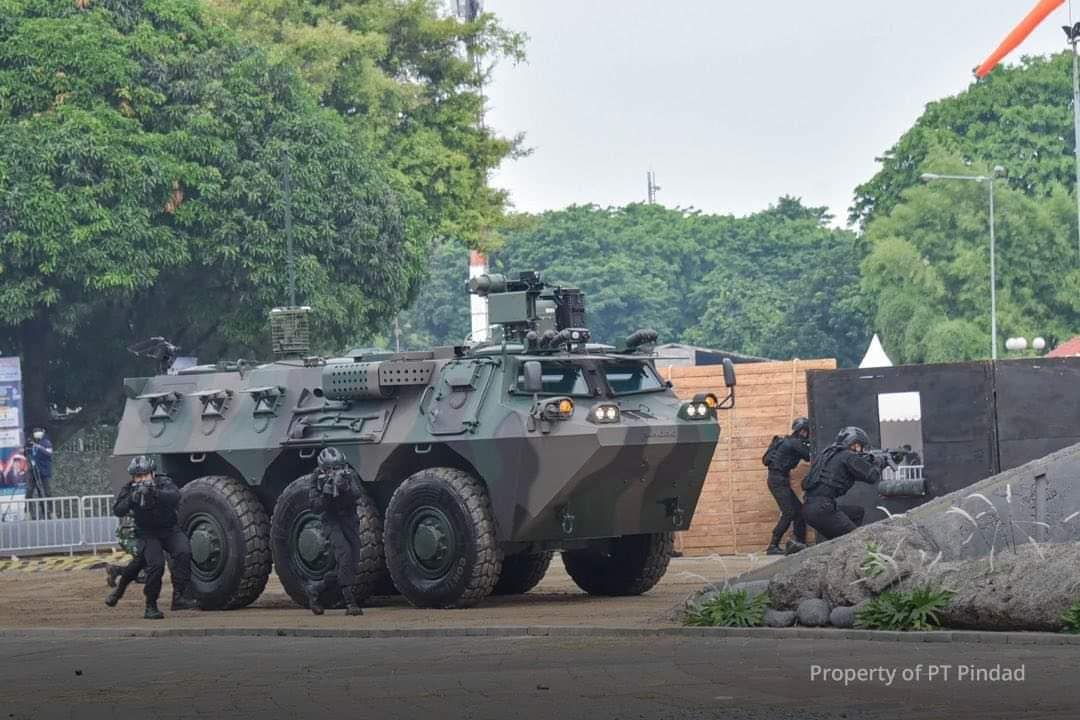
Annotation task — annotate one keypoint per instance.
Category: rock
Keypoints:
(779, 618)
(813, 613)
(842, 617)
(753, 588)
(1028, 589)
(797, 581)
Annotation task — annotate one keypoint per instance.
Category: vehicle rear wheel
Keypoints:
(230, 541)
(303, 554)
(440, 539)
(628, 565)
(522, 572)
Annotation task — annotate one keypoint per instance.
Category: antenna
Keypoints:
(290, 259)
(653, 187)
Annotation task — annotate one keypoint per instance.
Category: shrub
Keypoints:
(915, 609)
(873, 564)
(1071, 618)
(728, 608)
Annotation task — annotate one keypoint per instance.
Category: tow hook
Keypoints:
(675, 511)
(566, 519)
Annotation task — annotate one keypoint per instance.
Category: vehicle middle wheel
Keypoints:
(440, 539)
(303, 553)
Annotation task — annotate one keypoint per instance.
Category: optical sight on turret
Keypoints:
(532, 312)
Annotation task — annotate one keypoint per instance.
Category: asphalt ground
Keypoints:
(526, 678)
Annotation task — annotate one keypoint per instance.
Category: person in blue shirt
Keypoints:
(39, 479)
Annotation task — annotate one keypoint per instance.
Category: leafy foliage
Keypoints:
(408, 80)
(928, 269)
(141, 156)
(873, 563)
(778, 283)
(915, 609)
(1071, 618)
(728, 608)
(1020, 117)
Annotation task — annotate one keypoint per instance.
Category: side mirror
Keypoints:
(534, 377)
(729, 373)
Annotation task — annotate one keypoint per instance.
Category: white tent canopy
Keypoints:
(892, 407)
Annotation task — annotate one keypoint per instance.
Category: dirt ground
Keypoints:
(74, 599)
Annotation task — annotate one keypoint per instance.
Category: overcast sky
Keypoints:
(731, 103)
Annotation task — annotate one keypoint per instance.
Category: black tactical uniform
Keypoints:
(783, 456)
(834, 472)
(334, 492)
(153, 505)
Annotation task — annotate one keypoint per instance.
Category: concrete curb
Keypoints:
(558, 631)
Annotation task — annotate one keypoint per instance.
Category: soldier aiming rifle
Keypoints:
(333, 494)
(152, 500)
(847, 461)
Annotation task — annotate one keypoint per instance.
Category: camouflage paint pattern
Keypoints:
(551, 483)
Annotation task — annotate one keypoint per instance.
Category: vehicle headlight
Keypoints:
(604, 414)
(696, 410)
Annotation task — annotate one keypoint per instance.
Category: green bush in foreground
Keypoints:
(1071, 618)
(915, 609)
(728, 608)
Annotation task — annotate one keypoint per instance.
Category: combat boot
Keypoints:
(773, 549)
(112, 573)
(351, 606)
(794, 546)
(115, 595)
(314, 603)
(152, 612)
(180, 600)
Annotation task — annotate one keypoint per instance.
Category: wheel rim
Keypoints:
(209, 549)
(309, 546)
(429, 539)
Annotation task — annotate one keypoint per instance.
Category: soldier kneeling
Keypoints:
(833, 473)
(333, 494)
(152, 500)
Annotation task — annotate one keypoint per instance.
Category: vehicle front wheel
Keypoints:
(628, 565)
(440, 539)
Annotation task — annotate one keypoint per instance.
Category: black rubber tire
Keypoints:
(246, 543)
(473, 556)
(628, 565)
(371, 567)
(522, 572)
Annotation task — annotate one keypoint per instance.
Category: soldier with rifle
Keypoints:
(152, 500)
(832, 474)
(784, 455)
(333, 494)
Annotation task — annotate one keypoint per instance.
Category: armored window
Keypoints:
(561, 379)
(630, 379)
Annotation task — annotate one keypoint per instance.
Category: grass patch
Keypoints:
(915, 609)
(873, 563)
(1071, 618)
(728, 608)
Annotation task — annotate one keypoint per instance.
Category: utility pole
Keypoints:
(1072, 32)
(287, 183)
(653, 187)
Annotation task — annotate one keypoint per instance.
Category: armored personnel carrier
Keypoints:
(478, 462)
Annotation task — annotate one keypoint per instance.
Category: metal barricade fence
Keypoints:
(35, 525)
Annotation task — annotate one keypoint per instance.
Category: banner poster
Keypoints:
(13, 464)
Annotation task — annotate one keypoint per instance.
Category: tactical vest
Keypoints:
(827, 472)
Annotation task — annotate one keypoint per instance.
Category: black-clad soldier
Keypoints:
(833, 473)
(783, 456)
(334, 492)
(152, 500)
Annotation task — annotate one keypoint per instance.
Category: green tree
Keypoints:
(141, 149)
(408, 79)
(1020, 117)
(928, 269)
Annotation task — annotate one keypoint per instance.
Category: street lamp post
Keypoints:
(989, 180)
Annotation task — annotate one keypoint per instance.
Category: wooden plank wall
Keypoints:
(736, 513)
